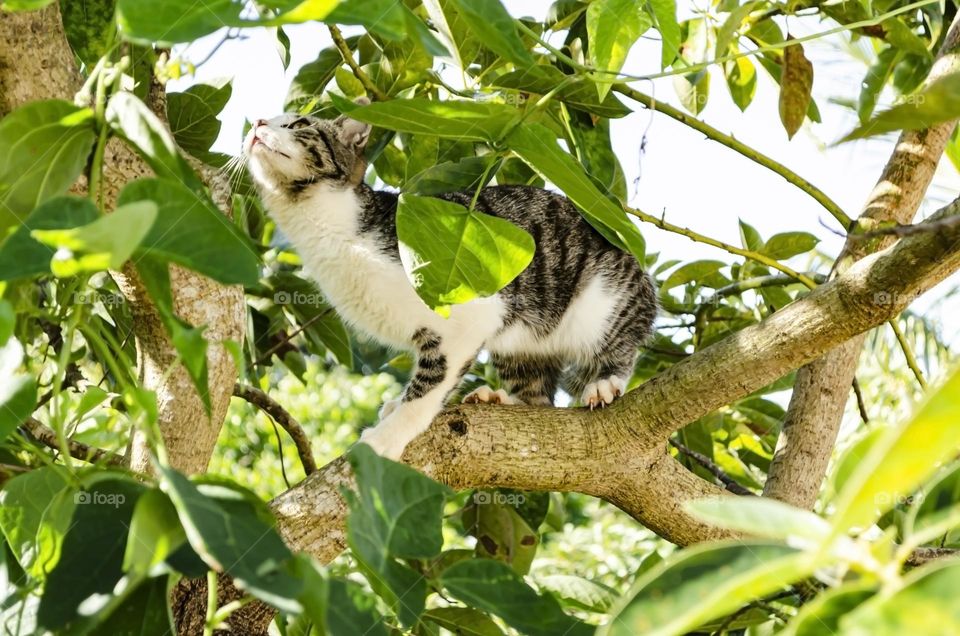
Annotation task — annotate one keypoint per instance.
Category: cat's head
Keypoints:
(291, 153)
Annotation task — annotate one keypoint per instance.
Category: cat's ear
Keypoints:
(353, 133)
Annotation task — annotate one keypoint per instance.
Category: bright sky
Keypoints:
(694, 181)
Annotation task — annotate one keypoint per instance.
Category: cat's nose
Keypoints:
(258, 123)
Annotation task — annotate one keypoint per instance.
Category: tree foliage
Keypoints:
(89, 547)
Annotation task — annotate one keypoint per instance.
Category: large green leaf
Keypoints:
(612, 28)
(901, 460)
(192, 116)
(396, 512)
(574, 90)
(228, 532)
(494, 587)
(35, 513)
(155, 533)
(450, 176)
(452, 254)
(702, 583)
(91, 559)
(761, 517)
(665, 13)
(925, 604)
(43, 148)
(459, 120)
(89, 27)
(131, 119)
(936, 103)
(578, 593)
(174, 21)
(788, 244)
(191, 231)
(106, 243)
(494, 27)
(537, 146)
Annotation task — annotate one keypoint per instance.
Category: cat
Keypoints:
(576, 315)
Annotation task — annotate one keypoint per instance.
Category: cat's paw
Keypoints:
(486, 395)
(602, 392)
(389, 407)
(382, 443)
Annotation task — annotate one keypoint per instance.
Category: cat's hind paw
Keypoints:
(602, 392)
(486, 395)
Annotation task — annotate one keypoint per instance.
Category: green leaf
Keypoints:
(901, 459)
(789, 244)
(174, 21)
(459, 120)
(131, 119)
(750, 238)
(704, 582)
(501, 533)
(936, 103)
(494, 27)
(665, 14)
(822, 615)
(463, 621)
(741, 80)
(613, 26)
(386, 18)
(396, 512)
(43, 149)
(8, 322)
(453, 255)
(192, 232)
(22, 256)
(578, 593)
(699, 271)
(597, 156)
(904, 38)
(312, 78)
(576, 91)
(924, 604)
(155, 533)
(537, 146)
(18, 397)
(106, 243)
(731, 27)
(493, 587)
(693, 89)
(91, 559)
(876, 78)
(35, 513)
(796, 85)
(89, 28)
(192, 116)
(304, 299)
(144, 611)
(228, 533)
(351, 610)
(760, 517)
(451, 176)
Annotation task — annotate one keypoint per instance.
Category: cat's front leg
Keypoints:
(441, 363)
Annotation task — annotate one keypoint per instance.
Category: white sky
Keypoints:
(694, 181)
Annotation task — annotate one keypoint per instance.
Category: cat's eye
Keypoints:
(303, 122)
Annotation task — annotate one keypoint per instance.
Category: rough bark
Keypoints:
(36, 63)
(822, 387)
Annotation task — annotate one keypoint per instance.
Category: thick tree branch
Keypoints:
(822, 388)
(620, 454)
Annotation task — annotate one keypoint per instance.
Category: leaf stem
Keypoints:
(738, 146)
(706, 240)
(347, 56)
(210, 624)
(908, 353)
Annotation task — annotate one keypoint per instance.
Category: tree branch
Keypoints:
(619, 454)
(728, 482)
(48, 437)
(337, 36)
(268, 405)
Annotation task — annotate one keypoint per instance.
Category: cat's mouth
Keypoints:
(257, 141)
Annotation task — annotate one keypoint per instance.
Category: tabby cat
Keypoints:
(575, 317)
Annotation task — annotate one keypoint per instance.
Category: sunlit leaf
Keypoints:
(936, 103)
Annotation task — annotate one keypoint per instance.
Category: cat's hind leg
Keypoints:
(527, 379)
(605, 379)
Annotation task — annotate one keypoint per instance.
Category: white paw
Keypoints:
(389, 407)
(383, 443)
(603, 392)
(486, 395)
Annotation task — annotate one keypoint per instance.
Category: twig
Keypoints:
(738, 146)
(920, 556)
(48, 437)
(287, 338)
(899, 230)
(347, 56)
(269, 406)
(728, 482)
(861, 404)
(700, 238)
(908, 353)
